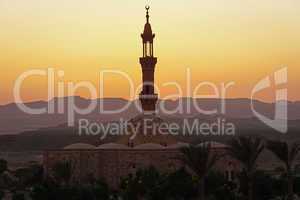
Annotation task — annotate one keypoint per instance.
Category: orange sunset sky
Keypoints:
(219, 40)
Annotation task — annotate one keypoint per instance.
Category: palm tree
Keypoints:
(200, 159)
(246, 150)
(286, 153)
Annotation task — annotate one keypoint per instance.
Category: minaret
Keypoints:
(147, 126)
(147, 96)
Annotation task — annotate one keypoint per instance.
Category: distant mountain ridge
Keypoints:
(61, 136)
(13, 120)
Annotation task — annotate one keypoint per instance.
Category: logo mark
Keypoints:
(279, 122)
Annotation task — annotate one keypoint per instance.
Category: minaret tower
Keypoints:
(147, 126)
(147, 96)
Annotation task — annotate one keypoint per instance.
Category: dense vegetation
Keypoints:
(197, 180)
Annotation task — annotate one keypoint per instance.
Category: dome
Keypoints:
(79, 146)
(149, 146)
(214, 144)
(112, 146)
(178, 145)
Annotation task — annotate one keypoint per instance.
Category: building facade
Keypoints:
(112, 161)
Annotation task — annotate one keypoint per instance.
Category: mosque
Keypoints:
(111, 161)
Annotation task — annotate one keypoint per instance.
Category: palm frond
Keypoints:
(246, 150)
(199, 159)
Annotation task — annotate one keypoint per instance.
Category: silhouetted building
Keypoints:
(148, 97)
(149, 147)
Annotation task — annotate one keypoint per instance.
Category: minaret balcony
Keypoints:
(148, 61)
(148, 96)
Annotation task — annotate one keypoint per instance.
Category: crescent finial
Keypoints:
(147, 13)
